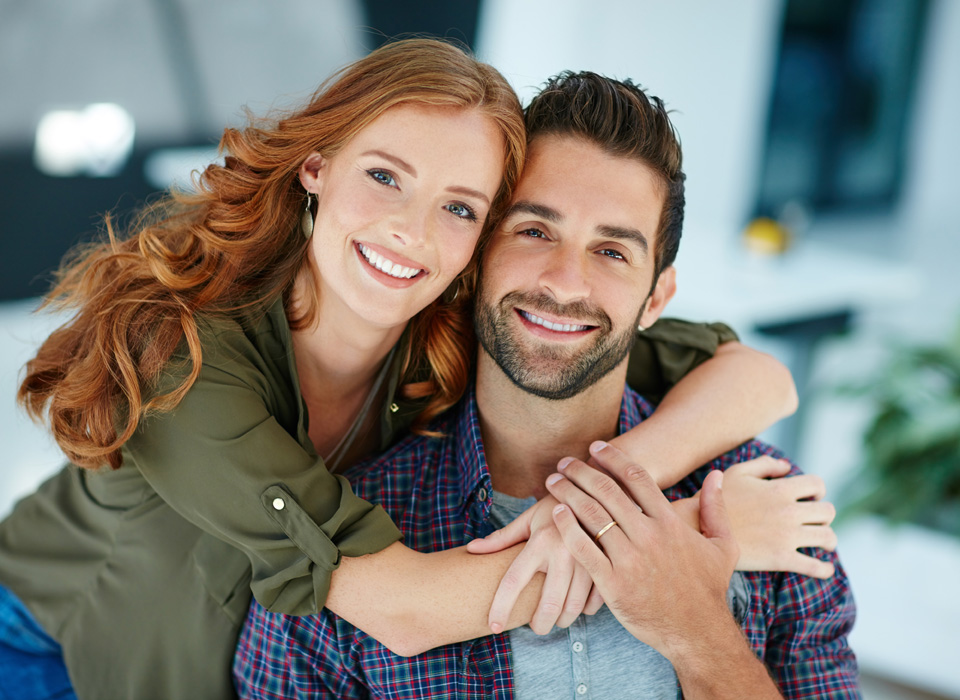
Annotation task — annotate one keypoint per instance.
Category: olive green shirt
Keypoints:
(143, 574)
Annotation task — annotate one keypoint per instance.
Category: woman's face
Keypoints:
(400, 209)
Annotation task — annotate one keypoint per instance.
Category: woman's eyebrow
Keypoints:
(410, 170)
(468, 192)
(399, 162)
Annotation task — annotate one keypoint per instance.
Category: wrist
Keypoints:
(717, 640)
(641, 446)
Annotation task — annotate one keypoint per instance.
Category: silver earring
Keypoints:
(449, 298)
(306, 218)
(640, 329)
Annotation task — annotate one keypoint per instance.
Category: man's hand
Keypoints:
(663, 581)
(567, 589)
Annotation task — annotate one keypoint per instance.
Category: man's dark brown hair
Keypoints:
(623, 120)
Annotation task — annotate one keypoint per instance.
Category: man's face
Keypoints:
(567, 274)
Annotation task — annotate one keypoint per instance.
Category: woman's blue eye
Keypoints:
(383, 177)
(533, 233)
(462, 211)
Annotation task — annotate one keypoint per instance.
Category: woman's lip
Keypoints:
(383, 277)
(393, 256)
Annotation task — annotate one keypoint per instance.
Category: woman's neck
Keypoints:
(338, 357)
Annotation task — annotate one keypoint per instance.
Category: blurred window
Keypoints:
(842, 96)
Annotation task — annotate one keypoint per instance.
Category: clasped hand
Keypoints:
(770, 519)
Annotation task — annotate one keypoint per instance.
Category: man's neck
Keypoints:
(524, 436)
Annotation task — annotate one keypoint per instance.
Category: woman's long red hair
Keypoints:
(233, 245)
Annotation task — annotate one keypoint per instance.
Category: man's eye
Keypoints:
(383, 177)
(462, 211)
(611, 253)
(533, 233)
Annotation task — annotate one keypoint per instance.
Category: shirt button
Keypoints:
(578, 647)
(581, 689)
(278, 504)
(482, 494)
(394, 408)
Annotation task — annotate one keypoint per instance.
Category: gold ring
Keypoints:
(604, 529)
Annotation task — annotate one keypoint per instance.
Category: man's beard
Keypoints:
(550, 371)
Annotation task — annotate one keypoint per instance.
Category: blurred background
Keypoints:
(823, 216)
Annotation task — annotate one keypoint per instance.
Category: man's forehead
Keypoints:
(570, 175)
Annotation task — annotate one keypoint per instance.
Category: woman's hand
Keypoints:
(567, 590)
(772, 517)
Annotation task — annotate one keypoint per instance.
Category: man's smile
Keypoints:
(555, 326)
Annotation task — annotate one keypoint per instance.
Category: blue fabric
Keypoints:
(31, 663)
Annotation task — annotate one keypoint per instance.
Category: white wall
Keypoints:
(712, 62)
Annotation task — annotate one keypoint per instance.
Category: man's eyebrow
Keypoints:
(626, 234)
(399, 162)
(540, 211)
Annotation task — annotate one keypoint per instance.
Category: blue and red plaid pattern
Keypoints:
(432, 488)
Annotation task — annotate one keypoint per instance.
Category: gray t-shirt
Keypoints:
(594, 658)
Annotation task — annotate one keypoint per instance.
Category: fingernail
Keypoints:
(559, 508)
(553, 478)
(720, 482)
(562, 464)
(497, 628)
(597, 446)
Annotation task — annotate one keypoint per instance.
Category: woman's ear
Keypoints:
(312, 171)
(662, 293)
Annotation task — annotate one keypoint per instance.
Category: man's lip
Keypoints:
(528, 318)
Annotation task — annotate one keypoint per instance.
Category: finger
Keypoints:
(806, 565)
(714, 522)
(591, 514)
(581, 545)
(577, 597)
(553, 595)
(610, 496)
(821, 536)
(594, 602)
(515, 579)
(641, 487)
(765, 467)
(515, 532)
(806, 486)
(815, 512)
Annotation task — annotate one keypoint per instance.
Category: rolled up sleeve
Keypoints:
(669, 350)
(222, 461)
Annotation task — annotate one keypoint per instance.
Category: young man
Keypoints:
(580, 260)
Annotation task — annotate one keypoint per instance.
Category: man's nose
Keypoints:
(565, 276)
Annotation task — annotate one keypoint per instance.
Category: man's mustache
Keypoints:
(581, 311)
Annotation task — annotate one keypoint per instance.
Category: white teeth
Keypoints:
(562, 327)
(388, 267)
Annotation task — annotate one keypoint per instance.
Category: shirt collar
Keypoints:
(474, 480)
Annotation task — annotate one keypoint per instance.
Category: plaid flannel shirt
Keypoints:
(438, 491)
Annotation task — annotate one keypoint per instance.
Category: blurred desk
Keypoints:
(786, 305)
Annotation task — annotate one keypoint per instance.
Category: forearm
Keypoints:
(411, 601)
(729, 399)
(719, 665)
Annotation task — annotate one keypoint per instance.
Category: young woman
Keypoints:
(308, 303)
